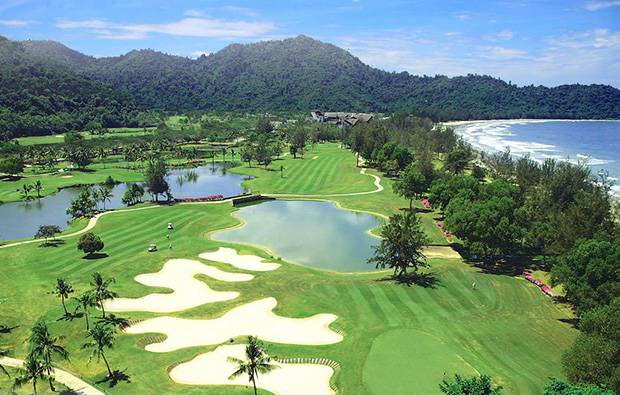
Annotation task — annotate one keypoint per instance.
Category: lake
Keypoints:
(21, 220)
(315, 234)
(597, 142)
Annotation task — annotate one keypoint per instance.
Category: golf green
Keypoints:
(408, 361)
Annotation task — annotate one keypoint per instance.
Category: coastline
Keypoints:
(528, 120)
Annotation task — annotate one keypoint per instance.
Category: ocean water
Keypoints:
(595, 143)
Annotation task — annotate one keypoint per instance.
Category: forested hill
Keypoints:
(37, 97)
(303, 74)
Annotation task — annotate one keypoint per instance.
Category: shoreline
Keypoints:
(528, 120)
(614, 190)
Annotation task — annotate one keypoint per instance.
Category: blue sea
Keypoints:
(597, 143)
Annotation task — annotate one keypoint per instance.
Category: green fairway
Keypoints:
(406, 361)
(59, 138)
(327, 169)
(506, 327)
(397, 337)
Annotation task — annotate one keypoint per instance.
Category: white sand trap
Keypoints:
(245, 262)
(213, 369)
(255, 318)
(66, 176)
(178, 275)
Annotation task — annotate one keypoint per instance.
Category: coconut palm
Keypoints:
(105, 194)
(95, 194)
(85, 302)
(101, 291)
(25, 190)
(102, 337)
(63, 289)
(37, 187)
(102, 154)
(43, 346)
(257, 362)
(33, 371)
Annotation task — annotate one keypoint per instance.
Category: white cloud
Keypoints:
(241, 10)
(16, 23)
(504, 35)
(191, 27)
(597, 5)
(501, 53)
(193, 12)
(197, 54)
(464, 15)
(584, 57)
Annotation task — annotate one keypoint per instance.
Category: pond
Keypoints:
(315, 234)
(21, 220)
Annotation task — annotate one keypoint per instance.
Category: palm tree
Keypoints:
(37, 187)
(257, 362)
(101, 291)
(105, 193)
(85, 302)
(25, 190)
(102, 154)
(96, 195)
(33, 371)
(62, 288)
(102, 337)
(43, 346)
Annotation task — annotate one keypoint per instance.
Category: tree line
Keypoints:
(504, 211)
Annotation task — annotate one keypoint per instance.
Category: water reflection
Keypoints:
(316, 234)
(22, 219)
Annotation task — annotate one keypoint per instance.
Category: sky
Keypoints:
(540, 42)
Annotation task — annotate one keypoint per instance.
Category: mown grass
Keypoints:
(505, 328)
(333, 171)
(59, 138)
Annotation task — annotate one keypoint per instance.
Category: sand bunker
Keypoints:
(66, 176)
(213, 369)
(245, 262)
(254, 318)
(178, 275)
(441, 252)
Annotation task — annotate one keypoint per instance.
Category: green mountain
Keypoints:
(40, 97)
(303, 74)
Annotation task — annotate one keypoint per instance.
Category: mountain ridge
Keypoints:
(302, 73)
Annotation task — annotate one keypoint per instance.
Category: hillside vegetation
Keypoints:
(38, 97)
(304, 74)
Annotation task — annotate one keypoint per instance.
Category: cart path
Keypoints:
(377, 183)
(72, 382)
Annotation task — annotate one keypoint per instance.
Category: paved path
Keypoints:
(72, 382)
(377, 183)
(91, 224)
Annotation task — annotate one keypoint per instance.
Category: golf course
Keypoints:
(193, 302)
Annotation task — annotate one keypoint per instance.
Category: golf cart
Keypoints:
(152, 248)
(170, 225)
